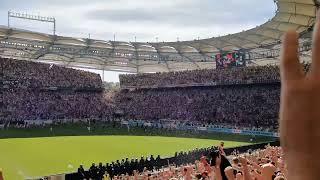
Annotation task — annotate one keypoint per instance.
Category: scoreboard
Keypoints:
(230, 59)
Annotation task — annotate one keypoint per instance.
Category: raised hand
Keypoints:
(300, 109)
(246, 173)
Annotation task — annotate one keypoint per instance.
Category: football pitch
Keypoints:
(22, 158)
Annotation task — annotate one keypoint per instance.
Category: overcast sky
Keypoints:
(145, 19)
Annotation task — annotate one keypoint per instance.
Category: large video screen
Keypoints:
(230, 59)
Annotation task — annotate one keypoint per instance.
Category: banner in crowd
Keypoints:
(202, 129)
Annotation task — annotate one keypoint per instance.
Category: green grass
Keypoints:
(35, 152)
(33, 157)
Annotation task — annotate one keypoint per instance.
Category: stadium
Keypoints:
(197, 109)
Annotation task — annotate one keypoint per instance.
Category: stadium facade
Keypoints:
(261, 45)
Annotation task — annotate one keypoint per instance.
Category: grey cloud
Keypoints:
(21, 4)
(188, 17)
(197, 13)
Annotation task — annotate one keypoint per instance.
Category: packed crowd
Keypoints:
(206, 163)
(244, 106)
(27, 74)
(252, 106)
(236, 75)
(37, 105)
(33, 91)
(204, 76)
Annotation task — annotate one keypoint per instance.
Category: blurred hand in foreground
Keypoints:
(300, 109)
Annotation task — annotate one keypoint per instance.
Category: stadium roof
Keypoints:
(261, 42)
